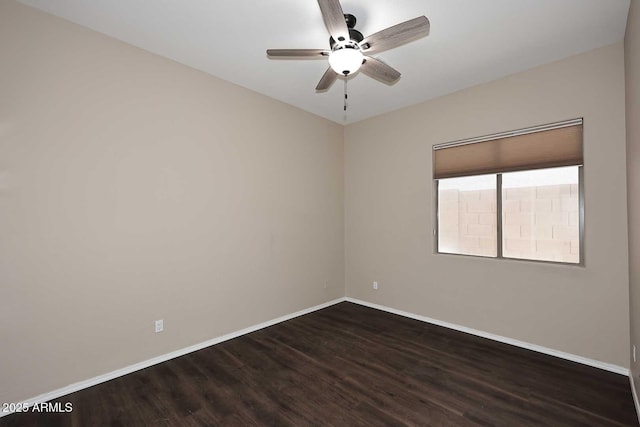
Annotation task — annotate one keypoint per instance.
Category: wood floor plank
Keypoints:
(349, 365)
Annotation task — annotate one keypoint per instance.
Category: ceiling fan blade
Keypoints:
(287, 53)
(396, 35)
(377, 69)
(327, 80)
(334, 19)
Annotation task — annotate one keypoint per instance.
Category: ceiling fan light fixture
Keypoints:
(350, 50)
(346, 58)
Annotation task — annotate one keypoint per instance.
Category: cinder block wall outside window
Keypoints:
(538, 222)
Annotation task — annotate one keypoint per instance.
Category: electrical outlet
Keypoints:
(325, 285)
(375, 286)
(634, 353)
(159, 325)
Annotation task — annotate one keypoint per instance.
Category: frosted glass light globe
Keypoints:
(346, 60)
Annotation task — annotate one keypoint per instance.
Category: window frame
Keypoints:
(499, 219)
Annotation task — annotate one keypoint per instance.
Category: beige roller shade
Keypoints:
(523, 150)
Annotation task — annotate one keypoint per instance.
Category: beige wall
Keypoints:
(389, 213)
(632, 69)
(133, 188)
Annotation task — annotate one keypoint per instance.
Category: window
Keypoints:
(467, 216)
(512, 195)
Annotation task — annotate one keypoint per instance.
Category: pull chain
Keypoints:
(345, 96)
(345, 93)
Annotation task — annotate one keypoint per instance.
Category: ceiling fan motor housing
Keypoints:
(354, 34)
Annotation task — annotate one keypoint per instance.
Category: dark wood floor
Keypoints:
(349, 365)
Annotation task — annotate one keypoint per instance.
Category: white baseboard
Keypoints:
(540, 349)
(635, 396)
(163, 358)
(45, 397)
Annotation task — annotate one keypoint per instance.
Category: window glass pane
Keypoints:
(540, 215)
(467, 215)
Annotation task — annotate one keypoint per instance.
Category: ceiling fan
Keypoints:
(350, 50)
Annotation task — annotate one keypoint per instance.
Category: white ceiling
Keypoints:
(471, 42)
